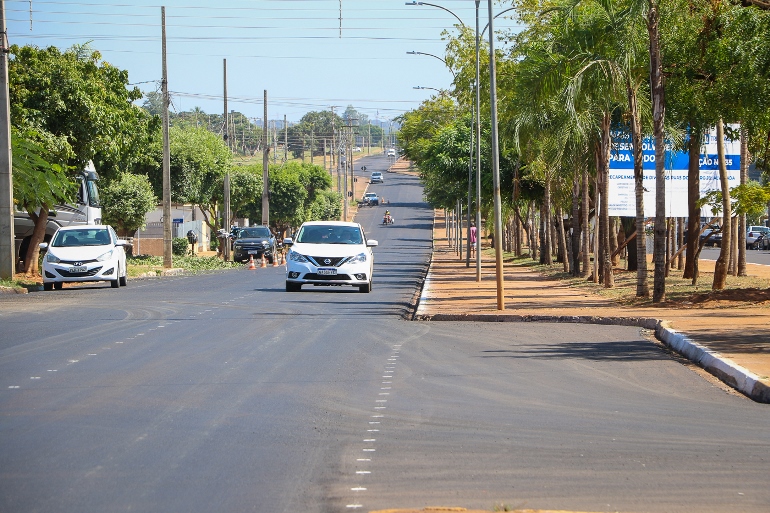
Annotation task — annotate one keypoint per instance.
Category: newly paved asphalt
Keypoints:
(221, 392)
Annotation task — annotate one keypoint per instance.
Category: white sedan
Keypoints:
(329, 253)
(84, 253)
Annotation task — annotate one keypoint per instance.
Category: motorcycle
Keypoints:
(388, 219)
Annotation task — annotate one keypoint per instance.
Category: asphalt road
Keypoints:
(223, 393)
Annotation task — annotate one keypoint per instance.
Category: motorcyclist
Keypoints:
(387, 219)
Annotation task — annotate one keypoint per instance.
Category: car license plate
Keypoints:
(327, 272)
(253, 252)
(78, 269)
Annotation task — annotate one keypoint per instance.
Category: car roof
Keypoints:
(330, 223)
(83, 227)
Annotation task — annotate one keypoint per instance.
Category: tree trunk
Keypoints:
(680, 242)
(604, 167)
(614, 233)
(38, 236)
(640, 246)
(561, 239)
(742, 225)
(658, 117)
(575, 235)
(586, 227)
(693, 210)
(629, 227)
(734, 250)
(547, 256)
(720, 268)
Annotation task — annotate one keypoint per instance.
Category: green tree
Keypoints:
(127, 201)
(66, 107)
(199, 160)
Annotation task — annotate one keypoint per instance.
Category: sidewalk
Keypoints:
(732, 341)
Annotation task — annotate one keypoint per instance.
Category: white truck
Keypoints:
(86, 210)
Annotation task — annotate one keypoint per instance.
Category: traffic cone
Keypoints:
(264, 262)
(251, 262)
(281, 259)
(275, 259)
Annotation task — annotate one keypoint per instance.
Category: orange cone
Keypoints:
(264, 262)
(275, 259)
(251, 262)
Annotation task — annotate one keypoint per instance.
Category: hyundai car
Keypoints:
(329, 253)
(84, 253)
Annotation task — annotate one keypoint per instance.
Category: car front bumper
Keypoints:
(347, 274)
(69, 273)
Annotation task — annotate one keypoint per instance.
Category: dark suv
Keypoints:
(254, 241)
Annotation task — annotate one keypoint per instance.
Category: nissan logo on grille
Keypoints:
(327, 261)
(78, 264)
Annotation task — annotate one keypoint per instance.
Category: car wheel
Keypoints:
(47, 286)
(116, 282)
(123, 280)
(58, 285)
(365, 288)
(270, 258)
(293, 287)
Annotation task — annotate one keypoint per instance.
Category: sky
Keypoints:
(310, 55)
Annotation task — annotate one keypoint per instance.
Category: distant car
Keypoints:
(711, 237)
(84, 253)
(757, 237)
(376, 177)
(330, 253)
(357, 149)
(254, 241)
(391, 152)
(371, 199)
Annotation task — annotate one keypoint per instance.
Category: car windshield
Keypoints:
(329, 235)
(82, 237)
(254, 233)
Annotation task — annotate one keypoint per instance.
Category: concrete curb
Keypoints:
(733, 375)
(730, 373)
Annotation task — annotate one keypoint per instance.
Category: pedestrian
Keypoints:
(473, 238)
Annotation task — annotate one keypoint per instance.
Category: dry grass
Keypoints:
(739, 291)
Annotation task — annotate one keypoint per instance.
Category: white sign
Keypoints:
(621, 185)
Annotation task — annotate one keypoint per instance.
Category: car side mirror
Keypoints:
(372, 243)
(287, 241)
(43, 246)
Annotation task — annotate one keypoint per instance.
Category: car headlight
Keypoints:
(361, 257)
(296, 257)
(265, 243)
(50, 257)
(105, 256)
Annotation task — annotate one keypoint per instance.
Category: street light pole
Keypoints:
(498, 235)
(478, 151)
(435, 57)
(439, 7)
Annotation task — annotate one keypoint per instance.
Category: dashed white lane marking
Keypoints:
(377, 416)
(362, 472)
(358, 489)
(53, 370)
(355, 506)
(372, 430)
(365, 450)
(370, 440)
(364, 459)
(14, 386)
(34, 377)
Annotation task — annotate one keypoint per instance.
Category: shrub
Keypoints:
(179, 246)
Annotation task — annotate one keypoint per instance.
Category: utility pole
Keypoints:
(7, 238)
(265, 177)
(285, 140)
(167, 236)
(498, 234)
(225, 134)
